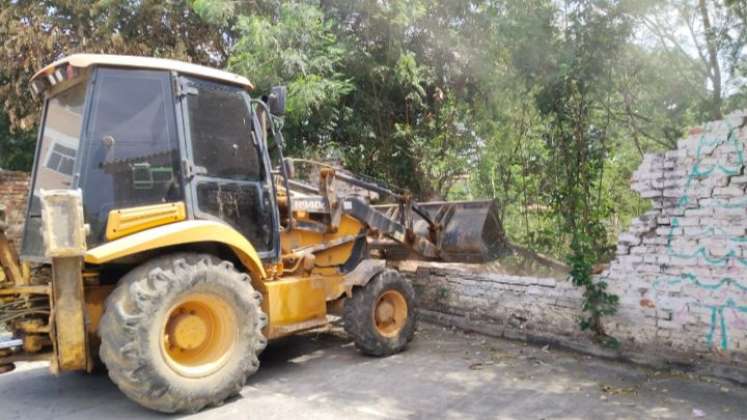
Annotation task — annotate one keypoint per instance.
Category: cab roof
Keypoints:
(87, 60)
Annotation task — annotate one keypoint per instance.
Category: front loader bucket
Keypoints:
(471, 231)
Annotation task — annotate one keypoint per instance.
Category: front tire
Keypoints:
(381, 315)
(182, 332)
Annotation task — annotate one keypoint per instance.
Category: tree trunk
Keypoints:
(714, 68)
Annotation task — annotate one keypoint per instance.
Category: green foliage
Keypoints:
(296, 48)
(35, 33)
(651, 105)
(573, 98)
(414, 66)
(215, 11)
(597, 301)
(16, 148)
(546, 106)
(711, 35)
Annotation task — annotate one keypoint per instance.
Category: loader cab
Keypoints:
(149, 135)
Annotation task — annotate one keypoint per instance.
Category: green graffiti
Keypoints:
(697, 172)
(692, 279)
(717, 313)
(733, 254)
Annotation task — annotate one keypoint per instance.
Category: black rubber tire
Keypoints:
(359, 321)
(131, 329)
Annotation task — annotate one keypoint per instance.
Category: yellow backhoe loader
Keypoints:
(170, 239)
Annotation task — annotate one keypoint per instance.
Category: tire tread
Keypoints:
(138, 295)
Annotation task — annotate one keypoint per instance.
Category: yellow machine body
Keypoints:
(295, 297)
(126, 221)
(320, 239)
(179, 233)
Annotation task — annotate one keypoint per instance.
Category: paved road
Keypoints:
(445, 374)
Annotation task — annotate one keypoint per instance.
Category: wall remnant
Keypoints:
(13, 193)
(680, 270)
(496, 303)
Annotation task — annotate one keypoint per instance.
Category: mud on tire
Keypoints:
(132, 331)
(359, 315)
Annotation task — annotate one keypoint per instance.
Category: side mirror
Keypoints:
(276, 100)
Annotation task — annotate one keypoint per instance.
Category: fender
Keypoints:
(190, 231)
(364, 272)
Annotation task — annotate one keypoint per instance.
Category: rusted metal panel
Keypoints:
(13, 269)
(62, 223)
(65, 242)
(69, 316)
(95, 300)
(23, 290)
(470, 231)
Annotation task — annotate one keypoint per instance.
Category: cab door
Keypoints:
(225, 163)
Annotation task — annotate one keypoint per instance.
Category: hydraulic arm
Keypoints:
(461, 231)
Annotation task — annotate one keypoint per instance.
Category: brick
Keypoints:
(731, 191)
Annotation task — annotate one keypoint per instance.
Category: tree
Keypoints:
(712, 34)
(575, 98)
(16, 148)
(296, 47)
(35, 33)
(416, 68)
(657, 95)
(545, 105)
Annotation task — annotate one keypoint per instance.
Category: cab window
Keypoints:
(132, 145)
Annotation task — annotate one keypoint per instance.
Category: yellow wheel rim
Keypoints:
(390, 313)
(198, 335)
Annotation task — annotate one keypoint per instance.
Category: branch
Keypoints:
(694, 37)
(664, 37)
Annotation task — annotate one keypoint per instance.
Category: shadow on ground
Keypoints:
(445, 374)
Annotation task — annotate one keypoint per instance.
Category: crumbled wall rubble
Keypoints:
(680, 270)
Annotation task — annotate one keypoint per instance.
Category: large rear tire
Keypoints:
(182, 332)
(381, 315)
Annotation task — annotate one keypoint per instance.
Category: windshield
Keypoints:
(131, 158)
(59, 142)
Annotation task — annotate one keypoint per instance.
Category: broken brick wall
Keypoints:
(680, 270)
(13, 193)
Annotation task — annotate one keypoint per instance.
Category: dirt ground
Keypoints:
(444, 374)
